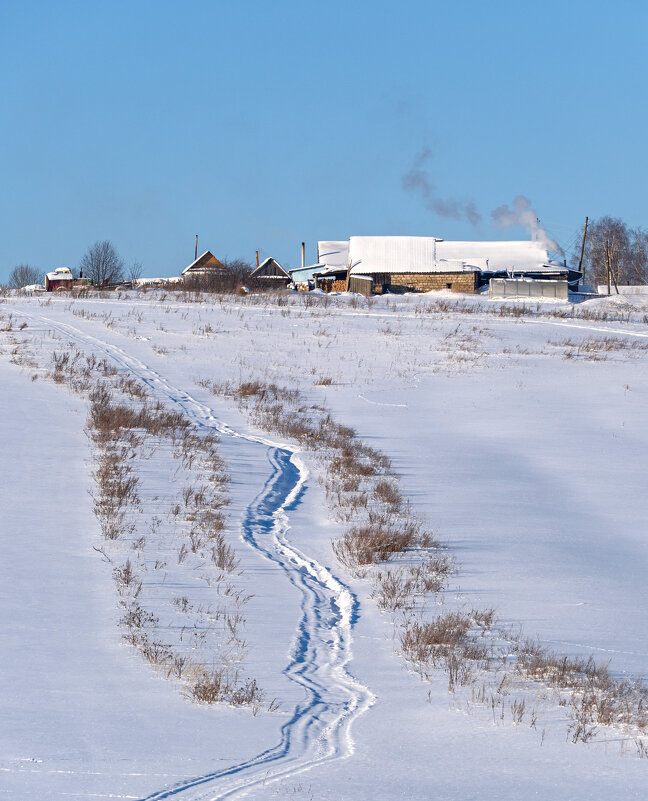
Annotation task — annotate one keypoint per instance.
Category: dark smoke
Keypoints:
(417, 181)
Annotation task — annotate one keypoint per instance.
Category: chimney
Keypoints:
(303, 254)
(196, 251)
(257, 257)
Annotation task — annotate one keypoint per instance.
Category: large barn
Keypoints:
(409, 264)
(378, 264)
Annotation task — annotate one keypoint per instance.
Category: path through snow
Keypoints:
(319, 729)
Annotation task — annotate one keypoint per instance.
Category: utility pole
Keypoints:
(609, 269)
(580, 261)
(196, 250)
(607, 258)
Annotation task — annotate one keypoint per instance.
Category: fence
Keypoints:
(623, 290)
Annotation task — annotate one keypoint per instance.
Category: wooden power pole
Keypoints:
(607, 259)
(580, 261)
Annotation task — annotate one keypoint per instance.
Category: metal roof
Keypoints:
(427, 254)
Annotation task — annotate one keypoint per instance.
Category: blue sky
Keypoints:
(261, 124)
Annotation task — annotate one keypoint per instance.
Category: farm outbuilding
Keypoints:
(332, 279)
(204, 266)
(270, 272)
(508, 288)
(379, 264)
(333, 253)
(408, 264)
(303, 277)
(61, 278)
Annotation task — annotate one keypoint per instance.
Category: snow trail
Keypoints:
(319, 729)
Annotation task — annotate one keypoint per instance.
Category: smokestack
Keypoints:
(303, 254)
(196, 251)
(257, 257)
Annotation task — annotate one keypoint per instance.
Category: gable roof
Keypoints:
(205, 262)
(269, 268)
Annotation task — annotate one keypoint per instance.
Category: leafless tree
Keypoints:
(24, 275)
(101, 263)
(233, 274)
(135, 270)
(627, 249)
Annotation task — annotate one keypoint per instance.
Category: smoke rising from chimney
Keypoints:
(523, 215)
(417, 181)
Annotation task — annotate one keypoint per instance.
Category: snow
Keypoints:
(333, 253)
(516, 255)
(385, 254)
(522, 442)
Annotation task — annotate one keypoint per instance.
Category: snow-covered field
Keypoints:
(519, 434)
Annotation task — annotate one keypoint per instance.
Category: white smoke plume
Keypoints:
(523, 215)
(417, 181)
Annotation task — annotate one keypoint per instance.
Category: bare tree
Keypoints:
(24, 275)
(626, 247)
(233, 274)
(101, 263)
(135, 270)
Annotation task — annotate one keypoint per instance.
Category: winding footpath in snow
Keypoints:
(319, 729)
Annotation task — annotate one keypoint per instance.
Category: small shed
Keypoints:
(361, 285)
(332, 279)
(303, 277)
(61, 278)
(271, 273)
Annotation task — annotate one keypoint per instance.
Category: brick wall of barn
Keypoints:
(426, 282)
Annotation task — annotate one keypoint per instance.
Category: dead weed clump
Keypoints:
(218, 686)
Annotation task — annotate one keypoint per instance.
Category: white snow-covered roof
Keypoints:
(333, 253)
(525, 255)
(383, 254)
(328, 270)
(300, 274)
(60, 276)
(151, 281)
(423, 254)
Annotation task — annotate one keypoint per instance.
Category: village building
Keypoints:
(302, 278)
(61, 278)
(378, 264)
(271, 273)
(333, 253)
(204, 267)
(331, 279)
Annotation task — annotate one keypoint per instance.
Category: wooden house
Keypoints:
(271, 273)
(204, 267)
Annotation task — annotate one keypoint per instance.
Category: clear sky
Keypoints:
(261, 124)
